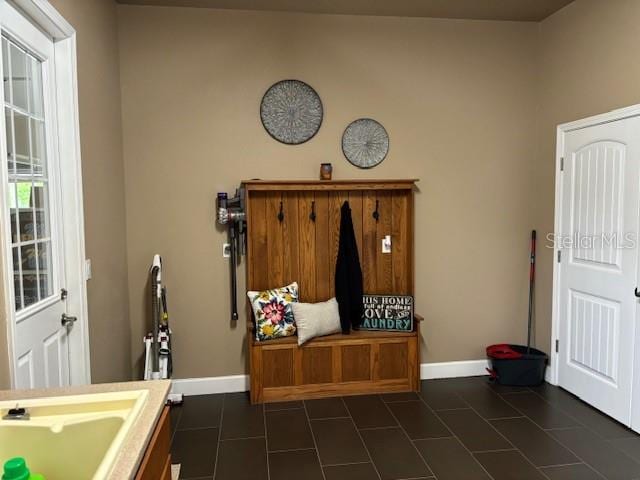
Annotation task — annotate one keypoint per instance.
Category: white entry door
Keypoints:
(598, 267)
(34, 218)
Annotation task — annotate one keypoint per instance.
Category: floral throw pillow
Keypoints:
(272, 312)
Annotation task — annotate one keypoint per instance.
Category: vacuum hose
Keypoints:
(233, 259)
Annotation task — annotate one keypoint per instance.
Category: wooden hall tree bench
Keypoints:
(293, 231)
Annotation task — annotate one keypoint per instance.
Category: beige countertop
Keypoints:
(135, 444)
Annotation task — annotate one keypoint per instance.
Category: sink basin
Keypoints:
(70, 437)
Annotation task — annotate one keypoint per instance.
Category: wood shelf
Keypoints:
(329, 185)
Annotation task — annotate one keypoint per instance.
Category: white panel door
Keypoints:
(33, 215)
(599, 264)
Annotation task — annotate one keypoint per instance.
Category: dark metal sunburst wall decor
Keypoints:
(365, 143)
(291, 111)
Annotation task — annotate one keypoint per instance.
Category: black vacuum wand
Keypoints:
(230, 212)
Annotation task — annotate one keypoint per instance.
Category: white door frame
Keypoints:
(47, 18)
(562, 130)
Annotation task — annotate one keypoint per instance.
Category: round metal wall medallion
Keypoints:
(365, 143)
(291, 111)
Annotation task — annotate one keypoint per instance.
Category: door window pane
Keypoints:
(5, 70)
(19, 77)
(21, 148)
(40, 207)
(44, 268)
(28, 188)
(36, 102)
(16, 277)
(29, 256)
(37, 146)
(26, 223)
(8, 122)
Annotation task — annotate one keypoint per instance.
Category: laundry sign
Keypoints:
(387, 312)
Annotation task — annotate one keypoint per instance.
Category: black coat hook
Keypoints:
(376, 214)
(312, 215)
(281, 213)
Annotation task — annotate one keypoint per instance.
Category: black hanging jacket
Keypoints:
(348, 281)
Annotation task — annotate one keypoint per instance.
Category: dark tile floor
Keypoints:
(455, 429)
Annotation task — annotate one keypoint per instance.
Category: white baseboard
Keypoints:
(465, 368)
(208, 385)
(548, 375)
(240, 383)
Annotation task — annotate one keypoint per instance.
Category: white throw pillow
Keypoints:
(316, 319)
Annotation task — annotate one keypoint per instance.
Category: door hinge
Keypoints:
(557, 345)
(559, 256)
(63, 294)
(562, 164)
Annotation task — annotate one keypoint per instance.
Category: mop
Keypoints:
(158, 357)
(521, 365)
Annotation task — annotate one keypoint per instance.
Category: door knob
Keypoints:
(636, 292)
(68, 320)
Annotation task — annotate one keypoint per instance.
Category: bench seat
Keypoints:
(362, 362)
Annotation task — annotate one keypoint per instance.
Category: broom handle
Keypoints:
(532, 277)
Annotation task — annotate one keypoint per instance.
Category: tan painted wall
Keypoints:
(457, 98)
(103, 183)
(195, 78)
(588, 65)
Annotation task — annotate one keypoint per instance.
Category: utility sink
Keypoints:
(70, 437)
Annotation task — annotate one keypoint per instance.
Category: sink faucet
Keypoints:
(16, 413)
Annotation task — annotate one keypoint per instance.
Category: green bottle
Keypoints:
(16, 469)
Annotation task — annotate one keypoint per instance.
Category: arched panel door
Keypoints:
(599, 264)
